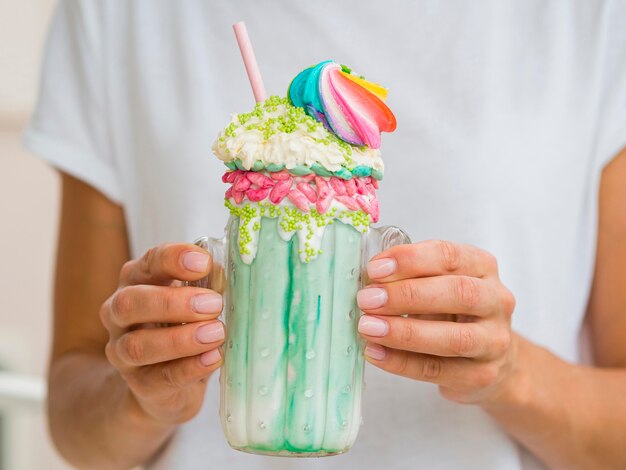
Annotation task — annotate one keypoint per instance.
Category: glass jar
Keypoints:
(292, 378)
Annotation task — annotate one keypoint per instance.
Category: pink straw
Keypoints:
(252, 68)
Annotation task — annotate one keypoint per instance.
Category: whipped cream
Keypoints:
(263, 136)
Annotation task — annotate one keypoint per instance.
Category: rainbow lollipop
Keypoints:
(349, 106)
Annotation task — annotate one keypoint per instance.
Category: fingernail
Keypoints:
(210, 332)
(373, 326)
(372, 297)
(380, 268)
(375, 351)
(207, 303)
(194, 261)
(210, 357)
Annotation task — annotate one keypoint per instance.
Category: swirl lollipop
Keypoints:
(349, 106)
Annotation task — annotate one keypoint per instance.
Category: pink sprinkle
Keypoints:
(279, 191)
(229, 193)
(338, 185)
(308, 191)
(230, 176)
(323, 188)
(241, 183)
(308, 178)
(323, 203)
(260, 180)
(238, 196)
(349, 202)
(256, 195)
(280, 175)
(375, 209)
(299, 200)
(370, 189)
(374, 182)
(350, 187)
(365, 205)
(360, 186)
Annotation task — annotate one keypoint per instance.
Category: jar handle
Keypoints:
(216, 279)
(379, 239)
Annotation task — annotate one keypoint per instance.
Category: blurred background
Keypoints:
(28, 211)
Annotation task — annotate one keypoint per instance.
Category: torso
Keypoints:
(496, 146)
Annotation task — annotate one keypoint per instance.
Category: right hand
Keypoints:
(166, 368)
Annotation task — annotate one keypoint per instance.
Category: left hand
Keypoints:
(469, 349)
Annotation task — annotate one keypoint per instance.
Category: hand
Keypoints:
(468, 350)
(166, 368)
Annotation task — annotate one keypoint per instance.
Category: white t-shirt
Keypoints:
(507, 112)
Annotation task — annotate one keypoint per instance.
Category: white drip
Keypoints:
(317, 233)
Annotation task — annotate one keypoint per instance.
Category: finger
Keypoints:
(164, 263)
(177, 374)
(439, 294)
(448, 339)
(133, 305)
(430, 258)
(154, 345)
(456, 373)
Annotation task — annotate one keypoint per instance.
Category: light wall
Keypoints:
(28, 213)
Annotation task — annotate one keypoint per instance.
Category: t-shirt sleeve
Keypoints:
(612, 131)
(69, 126)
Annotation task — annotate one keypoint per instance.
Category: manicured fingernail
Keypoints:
(372, 297)
(373, 326)
(375, 351)
(194, 261)
(210, 357)
(207, 303)
(380, 268)
(210, 332)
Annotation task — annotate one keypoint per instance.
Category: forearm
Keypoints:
(94, 420)
(569, 416)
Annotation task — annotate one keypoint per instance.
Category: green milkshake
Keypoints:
(302, 198)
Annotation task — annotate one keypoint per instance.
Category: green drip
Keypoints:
(234, 382)
(298, 308)
(344, 389)
(267, 339)
(310, 317)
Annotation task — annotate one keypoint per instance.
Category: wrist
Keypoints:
(140, 418)
(515, 390)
